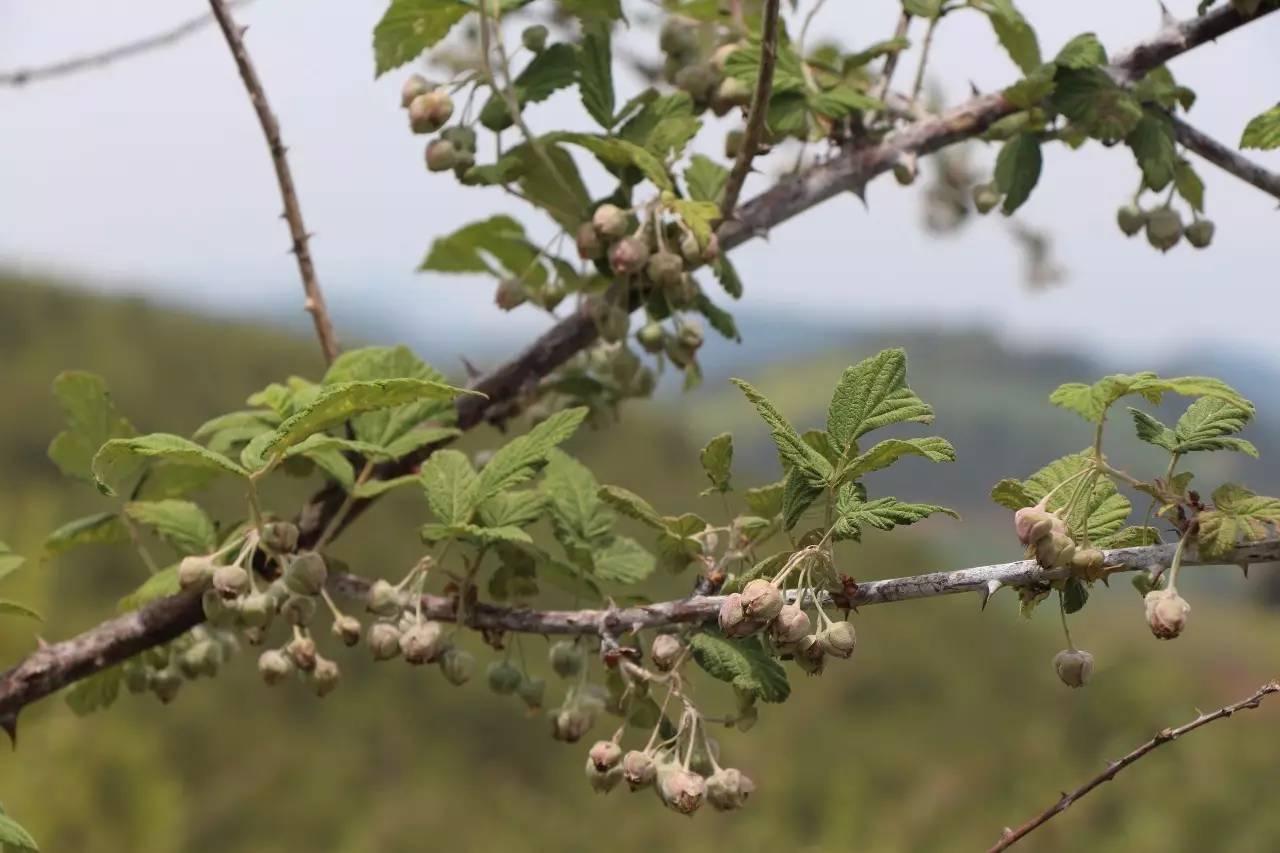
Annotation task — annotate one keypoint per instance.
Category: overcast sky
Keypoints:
(151, 175)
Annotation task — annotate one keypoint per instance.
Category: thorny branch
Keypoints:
(757, 113)
(1226, 158)
(52, 667)
(314, 304)
(1013, 836)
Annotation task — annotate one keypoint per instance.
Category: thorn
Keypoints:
(1244, 567)
(861, 192)
(1166, 19)
(9, 723)
(973, 88)
(993, 586)
(472, 371)
(41, 643)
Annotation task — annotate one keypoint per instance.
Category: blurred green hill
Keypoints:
(946, 726)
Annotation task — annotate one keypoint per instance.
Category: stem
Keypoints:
(335, 523)
(756, 115)
(1062, 611)
(135, 536)
(1176, 564)
(924, 59)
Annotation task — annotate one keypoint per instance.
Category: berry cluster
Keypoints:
(1164, 226)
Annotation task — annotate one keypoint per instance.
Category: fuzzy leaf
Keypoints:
(411, 26)
(873, 393)
(103, 528)
(1013, 31)
(1151, 141)
(92, 421)
(595, 73)
(798, 494)
(742, 663)
(717, 459)
(1237, 515)
(575, 503)
(1152, 431)
(374, 488)
(474, 533)
(469, 249)
(1092, 401)
(791, 447)
(631, 505)
(182, 524)
(1083, 51)
(1102, 513)
(119, 458)
(1095, 103)
(1011, 494)
(9, 607)
(1188, 184)
(389, 425)
(619, 153)
(622, 561)
(95, 693)
(14, 838)
(512, 509)
(516, 461)
(882, 514)
(451, 486)
(1074, 595)
(1018, 169)
(887, 452)
(1208, 424)
(705, 178)
(765, 501)
(163, 583)
(1129, 537)
(553, 69)
(1263, 130)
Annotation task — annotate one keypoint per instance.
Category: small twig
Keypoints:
(891, 61)
(314, 304)
(924, 58)
(99, 59)
(1225, 158)
(759, 109)
(1013, 836)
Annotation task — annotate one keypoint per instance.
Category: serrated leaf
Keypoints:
(881, 514)
(631, 505)
(798, 494)
(705, 178)
(1189, 185)
(622, 561)
(182, 524)
(9, 607)
(1011, 494)
(742, 663)
(95, 693)
(1092, 401)
(515, 462)
(728, 277)
(1129, 537)
(329, 460)
(1151, 141)
(1263, 130)
(1083, 51)
(765, 501)
(595, 73)
(1032, 89)
(14, 838)
(620, 153)
(1208, 425)
(389, 426)
(1102, 513)
(717, 460)
(662, 125)
(512, 509)
(451, 485)
(256, 419)
(555, 68)
(580, 516)
(1151, 430)
(1237, 515)
(697, 217)
(717, 318)
(163, 583)
(1018, 169)
(163, 480)
(1095, 103)
(841, 101)
(1013, 31)
(103, 528)
(469, 248)
(886, 452)
(474, 533)
(92, 420)
(120, 458)
(795, 452)
(871, 394)
(375, 488)
(411, 26)
(559, 191)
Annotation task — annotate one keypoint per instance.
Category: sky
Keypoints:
(151, 176)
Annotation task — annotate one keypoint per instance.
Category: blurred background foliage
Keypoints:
(946, 726)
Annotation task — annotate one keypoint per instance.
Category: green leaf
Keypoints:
(1208, 425)
(512, 509)
(103, 528)
(388, 426)
(1188, 184)
(623, 560)
(871, 394)
(922, 8)
(255, 419)
(841, 101)
(766, 568)
(1095, 103)
(411, 26)
(885, 453)
(1152, 431)
(95, 693)
(798, 494)
(182, 524)
(1074, 595)
(742, 663)
(1011, 494)
(14, 838)
(559, 191)
(1033, 89)
(92, 420)
(1129, 537)
(881, 514)
(595, 73)
(553, 69)
(631, 505)
(662, 125)
(416, 439)
(1083, 51)
(717, 318)
(468, 249)
(728, 277)
(514, 463)
(620, 153)
(1091, 402)
(9, 561)
(705, 178)
(1018, 169)
(451, 486)
(1263, 130)
(375, 488)
(698, 216)
(1237, 515)
(119, 458)
(579, 513)
(163, 583)
(792, 448)
(474, 534)
(344, 400)
(765, 501)
(1015, 34)
(717, 459)
(9, 607)
(1102, 513)
(1151, 141)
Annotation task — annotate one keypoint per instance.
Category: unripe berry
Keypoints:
(457, 666)
(678, 36)
(683, 293)
(1055, 550)
(905, 170)
(306, 574)
(157, 657)
(838, 639)
(1167, 613)
(731, 92)
(136, 677)
(298, 610)
(165, 684)
(614, 322)
(462, 137)
(566, 659)
(985, 197)
(1164, 228)
(610, 221)
(422, 643)
(200, 659)
(256, 610)
(510, 294)
(1033, 523)
(279, 537)
(1200, 233)
(665, 652)
(462, 163)
(302, 651)
(665, 269)
(1073, 667)
(811, 658)
(679, 789)
(651, 337)
(278, 593)
(628, 256)
(274, 666)
(590, 246)
(531, 691)
(605, 755)
(195, 571)
(570, 724)
(347, 629)
(413, 87)
(384, 599)
(325, 676)
(639, 769)
(733, 143)
(761, 600)
(732, 617)
(699, 80)
(690, 250)
(230, 581)
(504, 679)
(216, 611)
(690, 337)
(791, 626)
(430, 111)
(728, 789)
(441, 155)
(603, 781)
(383, 640)
(1130, 218)
(534, 38)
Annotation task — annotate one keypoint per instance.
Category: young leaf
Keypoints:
(742, 663)
(512, 509)
(1074, 595)
(416, 439)
(8, 607)
(162, 583)
(9, 561)
(705, 178)
(885, 453)
(95, 693)
(1092, 401)
(581, 517)
(873, 393)
(798, 494)
(622, 561)
(468, 250)
(595, 73)
(92, 420)
(120, 458)
(1018, 170)
(619, 154)
(474, 533)
(765, 501)
(1151, 141)
(182, 524)
(1263, 130)
(1152, 431)
(1129, 537)
(631, 505)
(1095, 103)
(386, 426)
(553, 69)
(1011, 494)
(411, 26)
(1188, 184)
(559, 191)
(717, 459)
(794, 451)
(374, 488)
(103, 528)
(882, 514)
(1015, 34)
(515, 462)
(1083, 51)
(451, 486)
(1208, 424)
(1237, 515)
(14, 838)
(1102, 513)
